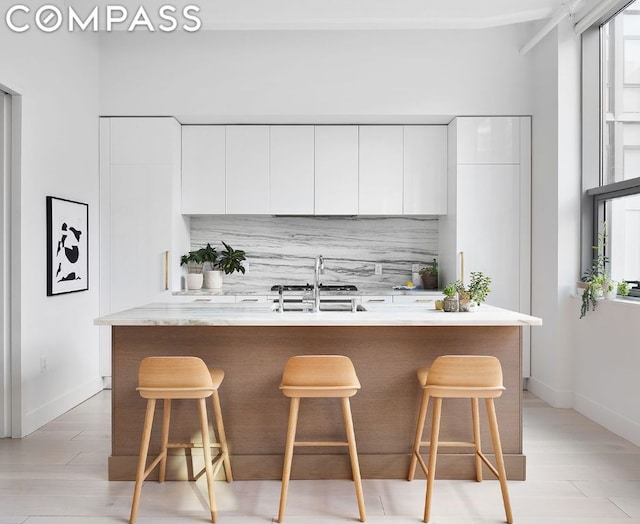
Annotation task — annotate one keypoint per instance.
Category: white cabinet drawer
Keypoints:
(251, 299)
(413, 299)
(373, 300)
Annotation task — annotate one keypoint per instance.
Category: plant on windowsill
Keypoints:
(595, 278)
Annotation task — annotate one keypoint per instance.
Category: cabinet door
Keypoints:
(380, 170)
(488, 212)
(488, 140)
(336, 161)
(425, 170)
(203, 170)
(247, 172)
(292, 170)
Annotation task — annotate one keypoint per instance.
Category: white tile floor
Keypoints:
(578, 473)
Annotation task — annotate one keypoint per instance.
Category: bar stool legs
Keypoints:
(353, 455)
(168, 378)
(319, 376)
(460, 376)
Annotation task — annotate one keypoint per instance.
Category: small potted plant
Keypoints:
(478, 289)
(229, 261)
(193, 261)
(212, 275)
(623, 288)
(595, 277)
(450, 303)
(610, 289)
(429, 275)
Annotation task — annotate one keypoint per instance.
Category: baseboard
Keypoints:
(614, 422)
(554, 397)
(54, 408)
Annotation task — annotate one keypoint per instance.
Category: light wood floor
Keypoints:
(578, 473)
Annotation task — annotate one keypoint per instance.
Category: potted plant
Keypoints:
(595, 277)
(478, 288)
(623, 288)
(450, 303)
(212, 275)
(429, 275)
(231, 260)
(193, 261)
(610, 289)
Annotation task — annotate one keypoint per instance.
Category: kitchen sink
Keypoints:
(325, 305)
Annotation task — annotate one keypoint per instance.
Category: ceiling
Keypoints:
(355, 14)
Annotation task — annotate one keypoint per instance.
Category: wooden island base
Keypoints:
(255, 411)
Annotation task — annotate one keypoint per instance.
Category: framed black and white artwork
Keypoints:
(67, 246)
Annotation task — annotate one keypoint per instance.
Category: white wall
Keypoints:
(57, 78)
(606, 366)
(336, 76)
(556, 212)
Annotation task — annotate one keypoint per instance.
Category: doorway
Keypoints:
(5, 281)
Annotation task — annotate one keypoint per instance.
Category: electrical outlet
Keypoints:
(43, 364)
(245, 263)
(415, 268)
(378, 269)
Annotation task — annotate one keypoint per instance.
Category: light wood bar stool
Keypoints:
(319, 376)
(169, 378)
(460, 376)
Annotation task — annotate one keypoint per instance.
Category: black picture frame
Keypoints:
(67, 246)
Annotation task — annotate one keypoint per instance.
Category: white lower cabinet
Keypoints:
(373, 300)
(251, 299)
(417, 299)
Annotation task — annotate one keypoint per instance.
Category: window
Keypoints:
(617, 199)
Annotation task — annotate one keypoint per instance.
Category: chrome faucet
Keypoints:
(318, 270)
(280, 299)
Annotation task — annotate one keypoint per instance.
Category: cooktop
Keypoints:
(309, 287)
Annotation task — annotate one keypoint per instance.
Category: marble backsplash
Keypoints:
(283, 249)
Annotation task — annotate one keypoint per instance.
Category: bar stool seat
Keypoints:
(460, 376)
(168, 378)
(319, 376)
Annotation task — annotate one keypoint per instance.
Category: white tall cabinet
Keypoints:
(142, 233)
(489, 209)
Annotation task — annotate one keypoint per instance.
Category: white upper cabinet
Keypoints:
(203, 170)
(380, 170)
(247, 171)
(425, 170)
(292, 170)
(142, 141)
(336, 163)
(488, 140)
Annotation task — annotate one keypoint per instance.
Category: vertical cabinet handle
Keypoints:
(166, 270)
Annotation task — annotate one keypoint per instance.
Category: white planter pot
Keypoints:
(213, 279)
(611, 295)
(194, 281)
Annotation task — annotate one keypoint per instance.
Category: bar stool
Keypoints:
(169, 378)
(319, 376)
(460, 376)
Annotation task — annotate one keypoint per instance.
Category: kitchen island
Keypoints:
(252, 343)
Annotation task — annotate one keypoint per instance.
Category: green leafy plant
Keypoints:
(623, 288)
(430, 270)
(596, 276)
(450, 290)
(231, 260)
(228, 261)
(193, 260)
(479, 287)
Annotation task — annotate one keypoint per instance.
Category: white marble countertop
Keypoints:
(207, 314)
(238, 291)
